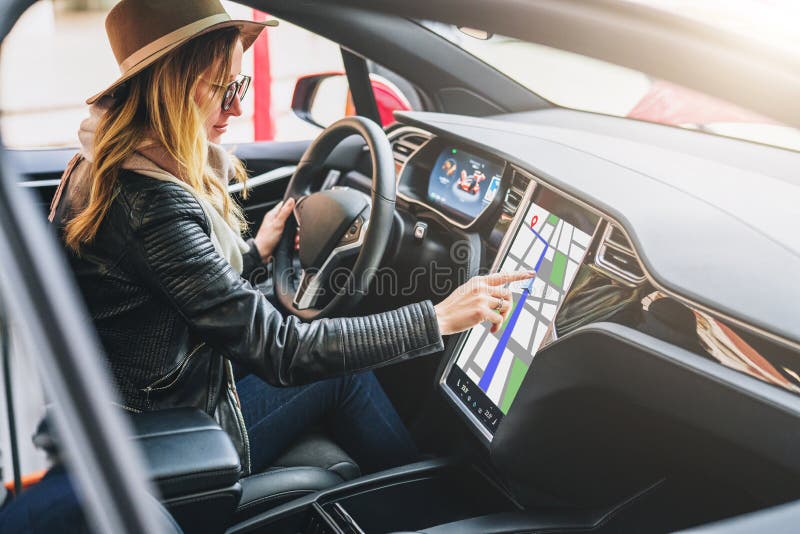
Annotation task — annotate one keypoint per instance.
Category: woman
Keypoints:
(154, 240)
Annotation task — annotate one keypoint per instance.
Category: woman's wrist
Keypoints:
(264, 252)
(255, 251)
(271, 229)
(445, 328)
(481, 298)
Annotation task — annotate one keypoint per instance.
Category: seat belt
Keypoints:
(77, 158)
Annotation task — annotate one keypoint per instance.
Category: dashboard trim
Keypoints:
(262, 179)
(395, 135)
(35, 184)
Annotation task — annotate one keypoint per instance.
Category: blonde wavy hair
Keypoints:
(158, 104)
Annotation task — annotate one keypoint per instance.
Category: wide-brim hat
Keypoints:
(142, 31)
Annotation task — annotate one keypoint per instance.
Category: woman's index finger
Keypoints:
(497, 279)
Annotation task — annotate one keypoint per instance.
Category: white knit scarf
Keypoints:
(225, 234)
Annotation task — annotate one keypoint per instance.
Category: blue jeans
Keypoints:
(52, 505)
(354, 409)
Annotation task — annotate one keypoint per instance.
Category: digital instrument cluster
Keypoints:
(462, 182)
(456, 183)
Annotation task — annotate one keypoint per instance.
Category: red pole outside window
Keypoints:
(263, 124)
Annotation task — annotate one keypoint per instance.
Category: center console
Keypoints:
(435, 497)
(406, 499)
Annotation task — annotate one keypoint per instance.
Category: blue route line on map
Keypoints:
(494, 361)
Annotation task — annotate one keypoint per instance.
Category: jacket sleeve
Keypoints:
(172, 251)
(252, 266)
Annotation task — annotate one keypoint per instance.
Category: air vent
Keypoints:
(418, 140)
(520, 182)
(405, 143)
(513, 198)
(515, 193)
(616, 237)
(616, 257)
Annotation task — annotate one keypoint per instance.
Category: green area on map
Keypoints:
(518, 370)
(559, 270)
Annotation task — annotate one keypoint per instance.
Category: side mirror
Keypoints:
(322, 99)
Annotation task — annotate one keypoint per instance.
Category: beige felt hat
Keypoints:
(142, 31)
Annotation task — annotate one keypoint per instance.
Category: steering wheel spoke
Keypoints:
(308, 290)
(314, 282)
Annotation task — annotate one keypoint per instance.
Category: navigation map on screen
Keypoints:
(498, 362)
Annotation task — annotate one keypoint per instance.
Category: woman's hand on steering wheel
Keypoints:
(481, 298)
(269, 233)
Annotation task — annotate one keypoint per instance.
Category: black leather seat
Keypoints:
(317, 450)
(191, 460)
(314, 463)
(187, 472)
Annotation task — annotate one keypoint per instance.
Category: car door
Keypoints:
(268, 137)
(412, 68)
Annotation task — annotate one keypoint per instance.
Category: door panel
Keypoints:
(269, 166)
(41, 170)
(264, 191)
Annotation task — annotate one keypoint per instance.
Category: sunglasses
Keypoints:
(236, 87)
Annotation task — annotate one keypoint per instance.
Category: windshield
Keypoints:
(771, 21)
(584, 83)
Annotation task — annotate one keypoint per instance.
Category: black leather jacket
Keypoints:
(171, 313)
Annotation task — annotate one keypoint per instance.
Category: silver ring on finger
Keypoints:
(500, 303)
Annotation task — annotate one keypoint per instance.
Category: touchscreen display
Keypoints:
(490, 367)
(463, 183)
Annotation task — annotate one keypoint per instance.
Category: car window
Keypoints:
(615, 90)
(57, 55)
(28, 410)
(48, 499)
(29, 406)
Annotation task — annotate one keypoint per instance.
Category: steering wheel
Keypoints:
(334, 225)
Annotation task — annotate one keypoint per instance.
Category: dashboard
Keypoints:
(590, 272)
